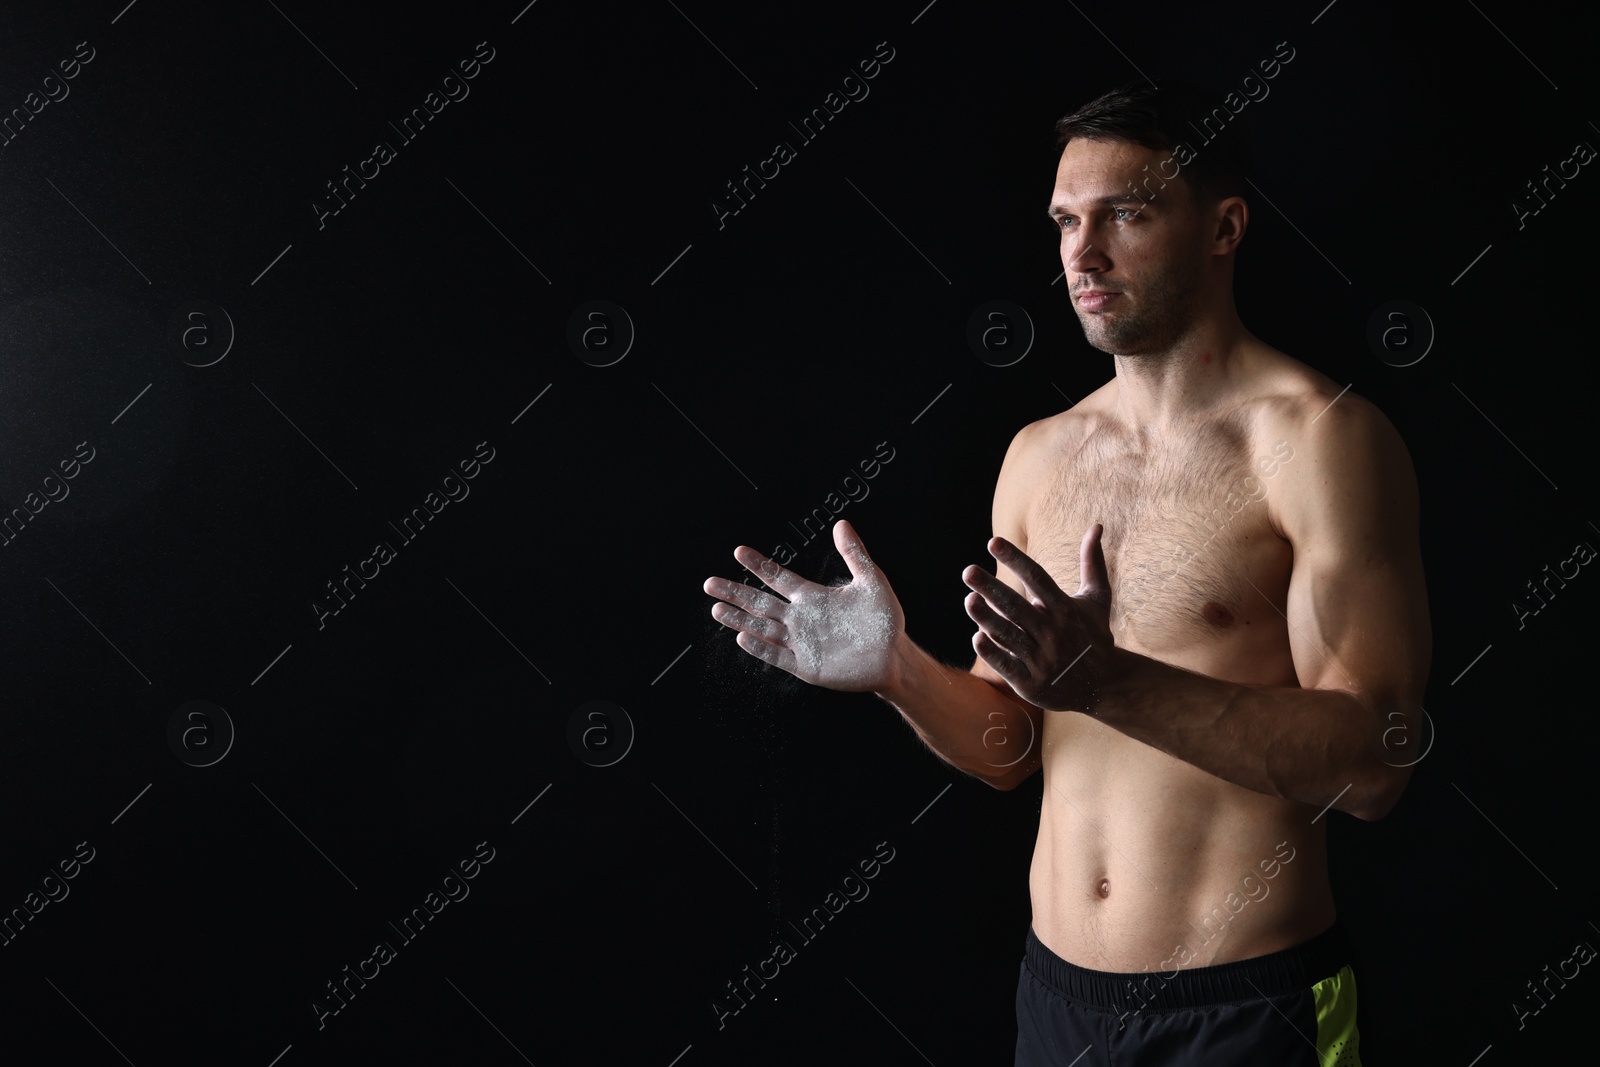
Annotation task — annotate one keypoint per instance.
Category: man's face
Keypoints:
(1148, 252)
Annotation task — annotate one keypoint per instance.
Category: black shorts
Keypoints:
(1284, 1009)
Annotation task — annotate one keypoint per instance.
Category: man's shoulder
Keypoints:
(1053, 433)
(1297, 403)
(1334, 448)
(1037, 449)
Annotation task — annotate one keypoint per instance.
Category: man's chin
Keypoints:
(1101, 340)
(1115, 342)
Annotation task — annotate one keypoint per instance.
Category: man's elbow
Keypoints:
(1009, 778)
(1006, 783)
(1372, 812)
(1384, 769)
(1381, 796)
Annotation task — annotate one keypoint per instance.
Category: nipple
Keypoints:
(1216, 614)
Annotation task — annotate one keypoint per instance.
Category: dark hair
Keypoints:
(1163, 115)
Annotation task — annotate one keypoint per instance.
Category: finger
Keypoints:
(744, 622)
(1007, 666)
(775, 574)
(1095, 581)
(1004, 599)
(755, 601)
(1009, 636)
(854, 551)
(781, 658)
(1035, 579)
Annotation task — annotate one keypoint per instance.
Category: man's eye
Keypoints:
(1119, 214)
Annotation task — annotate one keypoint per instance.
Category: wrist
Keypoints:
(1117, 666)
(906, 660)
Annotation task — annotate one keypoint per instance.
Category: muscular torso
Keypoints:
(1138, 852)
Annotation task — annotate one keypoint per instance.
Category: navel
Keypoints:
(1216, 614)
(1104, 888)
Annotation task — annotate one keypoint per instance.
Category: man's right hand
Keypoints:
(842, 637)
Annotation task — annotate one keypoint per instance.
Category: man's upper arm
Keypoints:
(1357, 603)
(1008, 517)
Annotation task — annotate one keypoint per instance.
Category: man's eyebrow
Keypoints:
(1057, 210)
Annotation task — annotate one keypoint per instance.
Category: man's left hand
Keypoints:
(1054, 650)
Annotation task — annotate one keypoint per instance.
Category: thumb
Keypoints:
(1094, 580)
(850, 546)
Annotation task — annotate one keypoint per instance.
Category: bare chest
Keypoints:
(1198, 574)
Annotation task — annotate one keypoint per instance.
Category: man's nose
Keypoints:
(1084, 257)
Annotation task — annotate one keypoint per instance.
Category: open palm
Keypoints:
(835, 636)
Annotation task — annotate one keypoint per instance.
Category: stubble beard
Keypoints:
(1163, 313)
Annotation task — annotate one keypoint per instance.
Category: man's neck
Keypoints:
(1160, 390)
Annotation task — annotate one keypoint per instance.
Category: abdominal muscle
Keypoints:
(1145, 862)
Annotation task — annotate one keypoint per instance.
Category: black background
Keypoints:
(371, 355)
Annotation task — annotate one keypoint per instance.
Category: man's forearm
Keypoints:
(1315, 746)
(965, 720)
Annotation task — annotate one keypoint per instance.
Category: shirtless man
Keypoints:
(1246, 648)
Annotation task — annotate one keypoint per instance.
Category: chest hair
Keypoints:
(1180, 517)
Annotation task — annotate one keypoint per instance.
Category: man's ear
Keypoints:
(1230, 219)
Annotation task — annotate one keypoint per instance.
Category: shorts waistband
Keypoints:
(1289, 970)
